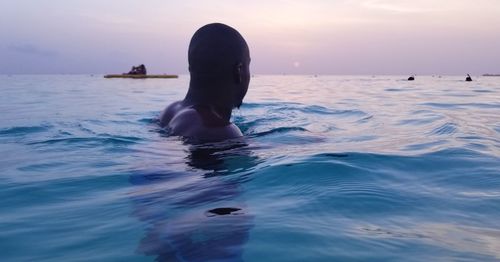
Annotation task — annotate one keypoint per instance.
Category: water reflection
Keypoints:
(198, 214)
(481, 240)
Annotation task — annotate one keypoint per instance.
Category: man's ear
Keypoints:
(238, 68)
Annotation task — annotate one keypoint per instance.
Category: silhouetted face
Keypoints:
(219, 54)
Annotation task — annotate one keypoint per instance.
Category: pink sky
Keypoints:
(303, 37)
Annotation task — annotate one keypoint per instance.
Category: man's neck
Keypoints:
(194, 98)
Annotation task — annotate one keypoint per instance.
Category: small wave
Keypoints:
(395, 89)
(457, 152)
(440, 105)
(279, 130)
(369, 194)
(446, 129)
(425, 145)
(483, 91)
(24, 130)
(149, 120)
(461, 105)
(422, 111)
(309, 109)
(348, 184)
(261, 105)
(419, 121)
(41, 167)
(315, 109)
(459, 94)
(379, 232)
(361, 138)
(472, 177)
(479, 138)
(481, 240)
(365, 119)
(116, 140)
(477, 146)
(335, 155)
(247, 127)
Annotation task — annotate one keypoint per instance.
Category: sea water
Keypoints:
(332, 168)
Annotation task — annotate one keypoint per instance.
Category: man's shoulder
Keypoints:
(190, 123)
(168, 114)
(185, 119)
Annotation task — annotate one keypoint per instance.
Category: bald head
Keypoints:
(219, 63)
(215, 49)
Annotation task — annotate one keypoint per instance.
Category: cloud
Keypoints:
(107, 18)
(29, 49)
(397, 6)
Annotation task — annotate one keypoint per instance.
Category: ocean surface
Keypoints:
(332, 168)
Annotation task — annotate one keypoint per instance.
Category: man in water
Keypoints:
(468, 78)
(219, 65)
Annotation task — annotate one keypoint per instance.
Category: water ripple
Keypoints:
(331, 168)
(24, 130)
(445, 129)
(279, 130)
(463, 105)
(88, 141)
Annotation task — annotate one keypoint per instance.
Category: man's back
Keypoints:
(198, 123)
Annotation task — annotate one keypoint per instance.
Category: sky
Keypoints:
(285, 37)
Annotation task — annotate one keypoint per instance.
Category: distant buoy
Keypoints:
(221, 211)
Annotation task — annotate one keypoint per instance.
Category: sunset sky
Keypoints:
(293, 37)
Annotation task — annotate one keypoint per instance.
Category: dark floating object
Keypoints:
(221, 211)
(411, 78)
(138, 70)
(140, 76)
(468, 78)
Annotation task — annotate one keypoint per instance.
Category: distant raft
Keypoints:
(140, 76)
(491, 75)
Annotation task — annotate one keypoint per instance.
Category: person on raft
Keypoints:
(138, 70)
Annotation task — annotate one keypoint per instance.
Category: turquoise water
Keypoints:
(333, 168)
